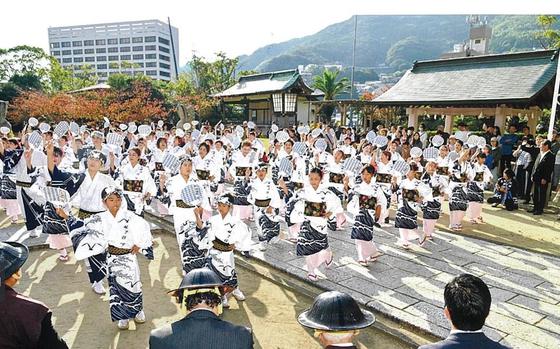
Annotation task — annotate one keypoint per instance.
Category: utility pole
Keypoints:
(353, 67)
(554, 97)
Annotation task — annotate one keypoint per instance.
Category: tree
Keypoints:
(331, 86)
(63, 79)
(213, 77)
(548, 37)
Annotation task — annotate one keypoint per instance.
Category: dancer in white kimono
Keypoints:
(242, 167)
(136, 182)
(122, 234)
(208, 173)
(192, 243)
(226, 233)
(366, 202)
(479, 176)
(315, 208)
(266, 202)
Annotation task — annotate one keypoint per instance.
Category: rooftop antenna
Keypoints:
(173, 48)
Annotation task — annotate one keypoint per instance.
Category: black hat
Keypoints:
(335, 311)
(197, 279)
(12, 256)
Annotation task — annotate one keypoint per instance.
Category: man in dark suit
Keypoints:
(467, 304)
(542, 176)
(200, 293)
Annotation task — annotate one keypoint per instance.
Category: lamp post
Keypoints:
(554, 97)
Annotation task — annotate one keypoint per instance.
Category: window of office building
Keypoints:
(124, 40)
(78, 51)
(76, 43)
(100, 50)
(88, 51)
(100, 42)
(150, 39)
(151, 64)
(164, 66)
(165, 58)
(90, 59)
(102, 66)
(125, 49)
(137, 40)
(55, 45)
(164, 49)
(138, 48)
(113, 58)
(88, 42)
(66, 52)
(150, 47)
(67, 60)
(137, 57)
(66, 44)
(56, 53)
(78, 60)
(101, 58)
(150, 56)
(113, 65)
(151, 72)
(113, 49)
(125, 57)
(162, 73)
(163, 41)
(112, 41)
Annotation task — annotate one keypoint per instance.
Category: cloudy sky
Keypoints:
(233, 26)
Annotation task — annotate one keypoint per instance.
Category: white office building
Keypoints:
(137, 47)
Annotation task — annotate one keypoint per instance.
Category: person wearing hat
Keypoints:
(200, 295)
(336, 319)
(226, 233)
(266, 203)
(24, 322)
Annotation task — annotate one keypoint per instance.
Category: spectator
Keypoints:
(508, 142)
(526, 132)
(489, 133)
(497, 132)
(496, 154)
(423, 135)
(440, 131)
(24, 322)
(336, 319)
(542, 176)
(467, 305)
(505, 192)
(523, 159)
(416, 141)
(200, 292)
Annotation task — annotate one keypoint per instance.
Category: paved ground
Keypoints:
(408, 285)
(82, 317)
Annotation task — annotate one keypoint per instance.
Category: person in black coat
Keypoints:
(24, 322)
(200, 293)
(542, 176)
(467, 305)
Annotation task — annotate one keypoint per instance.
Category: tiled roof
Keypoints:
(501, 78)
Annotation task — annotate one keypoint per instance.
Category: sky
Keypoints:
(235, 26)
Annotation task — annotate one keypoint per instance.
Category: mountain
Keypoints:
(389, 43)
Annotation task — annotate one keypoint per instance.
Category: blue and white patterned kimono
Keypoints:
(116, 234)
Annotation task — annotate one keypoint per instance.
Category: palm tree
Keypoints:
(331, 86)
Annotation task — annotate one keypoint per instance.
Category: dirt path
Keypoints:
(82, 317)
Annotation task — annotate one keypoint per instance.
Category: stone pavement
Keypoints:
(407, 286)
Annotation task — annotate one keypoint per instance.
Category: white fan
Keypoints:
(74, 128)
(35, 140)
(186, 126)
(235, 142)
(115, 139)
(282, 136)
(316, 132)
(194, 123)
(285, 167)
(274, 128)
(251, 125)
(33, 122)
(452, 156)
(321, 144)
(353, 165)
(4, 130)
(370, 137)
(431, 153)
(300, 148)
(481, 142)
(192, 194)
(61, 129)
(171, 163)
(123, 127)
(132, 128)
(380, 141)
(437, 141)
(44, 127)
(401, 166)
(160, 123)
(301, 130)
(144, 130)
(416, 152)
(195, 134)
(179, 133)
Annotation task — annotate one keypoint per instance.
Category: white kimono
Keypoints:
(135, 199)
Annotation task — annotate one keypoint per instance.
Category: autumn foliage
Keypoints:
(133, 104)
